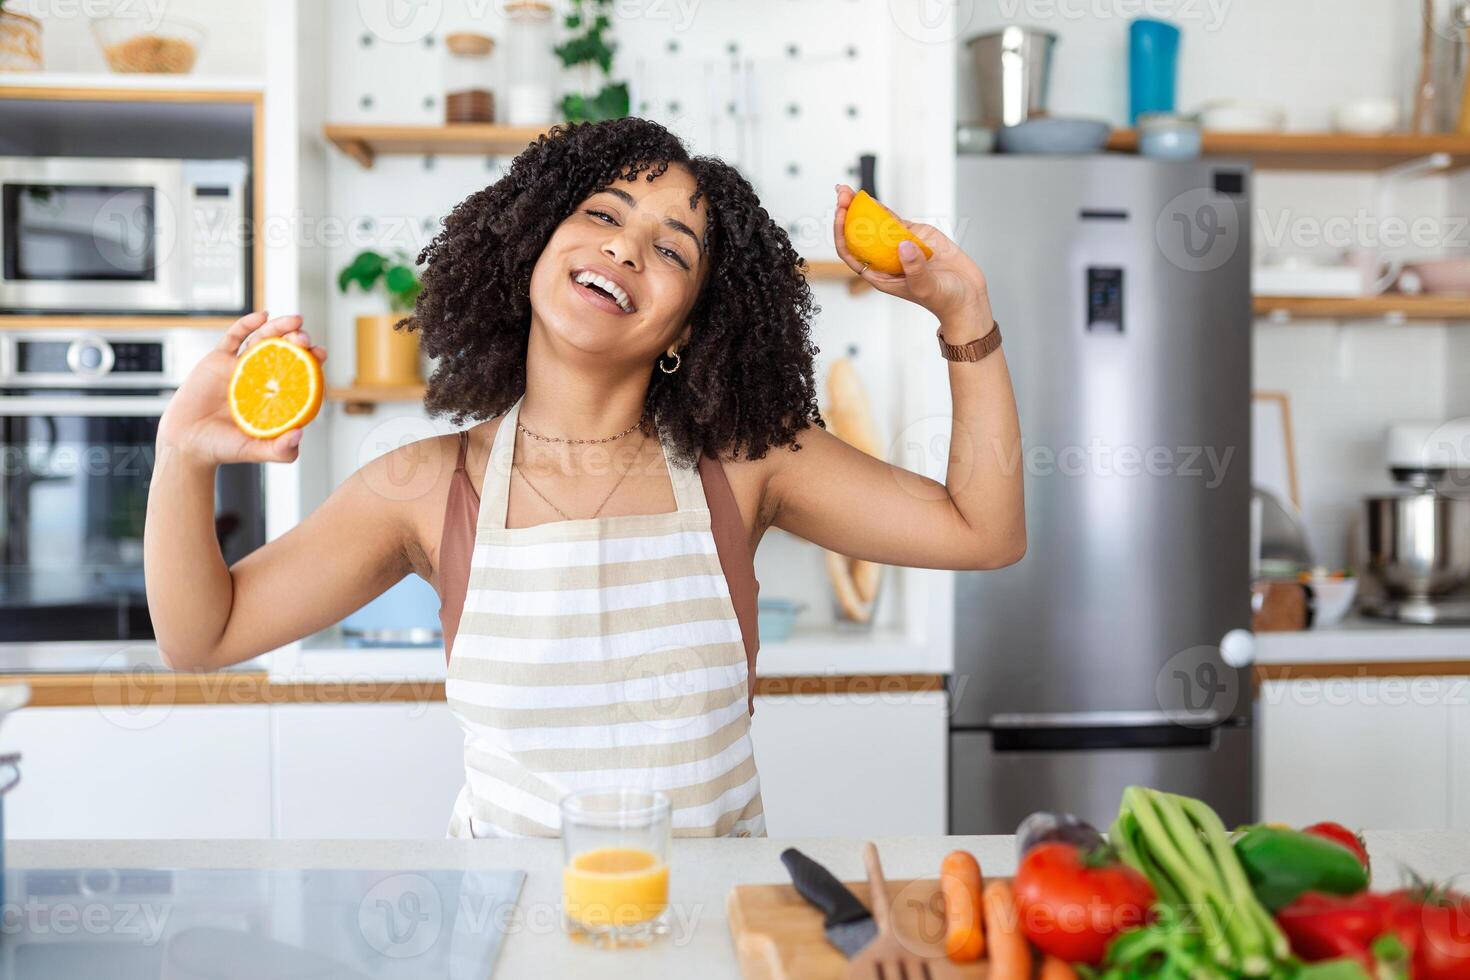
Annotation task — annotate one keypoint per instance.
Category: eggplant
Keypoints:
(1044, 826)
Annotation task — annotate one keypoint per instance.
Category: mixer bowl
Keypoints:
(1418, 543)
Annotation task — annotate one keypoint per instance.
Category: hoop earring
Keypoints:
(678, 362)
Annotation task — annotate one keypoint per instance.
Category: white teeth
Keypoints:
(603, 283)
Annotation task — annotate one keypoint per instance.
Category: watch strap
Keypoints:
(974, 350)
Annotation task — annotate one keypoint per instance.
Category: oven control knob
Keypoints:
(1238, 648)
(89, 356)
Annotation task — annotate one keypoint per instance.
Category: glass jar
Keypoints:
(469, 87)
(531, 69)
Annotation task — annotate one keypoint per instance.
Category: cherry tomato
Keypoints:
(1341, 835)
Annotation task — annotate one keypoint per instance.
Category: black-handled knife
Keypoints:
(849, 924)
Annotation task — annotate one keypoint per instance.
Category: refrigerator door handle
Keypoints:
(1106, 719)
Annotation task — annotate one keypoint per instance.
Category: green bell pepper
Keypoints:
(1282, 864)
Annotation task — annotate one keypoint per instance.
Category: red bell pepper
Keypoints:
(1431, 926)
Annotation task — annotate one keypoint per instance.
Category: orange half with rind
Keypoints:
(277, 386)
(873, 234)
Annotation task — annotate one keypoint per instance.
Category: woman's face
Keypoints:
(621, 274)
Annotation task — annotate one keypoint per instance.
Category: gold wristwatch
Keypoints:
(972, 351)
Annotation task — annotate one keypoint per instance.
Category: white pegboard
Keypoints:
(789, 91)
(745, 81)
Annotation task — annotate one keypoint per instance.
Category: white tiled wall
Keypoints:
(1345, 383)
(1348, 381)
(1304, 55)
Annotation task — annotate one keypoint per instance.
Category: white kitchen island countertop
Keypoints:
(702, 873)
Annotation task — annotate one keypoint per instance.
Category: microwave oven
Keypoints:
(124, 236)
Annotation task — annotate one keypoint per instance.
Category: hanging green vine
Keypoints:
(588, 45)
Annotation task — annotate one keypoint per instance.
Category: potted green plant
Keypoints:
(386, 355)
(20, 41)
(588, 46)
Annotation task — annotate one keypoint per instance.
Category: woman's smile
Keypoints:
(603, 289)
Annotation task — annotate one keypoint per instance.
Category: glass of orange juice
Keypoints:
(615, 871)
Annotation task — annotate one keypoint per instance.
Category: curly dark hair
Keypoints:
(745, 382)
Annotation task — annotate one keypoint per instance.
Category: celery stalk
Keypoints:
(1156, 840)
(1237, 884)
(1243, 930)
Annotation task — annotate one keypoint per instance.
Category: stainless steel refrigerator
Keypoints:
(1123, 287)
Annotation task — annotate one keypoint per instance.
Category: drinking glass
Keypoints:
(615, 870)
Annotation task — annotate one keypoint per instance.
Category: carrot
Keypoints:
(960, 881)
(1010, 956)
(1056, 968)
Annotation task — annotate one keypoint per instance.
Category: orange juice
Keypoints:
(615, 886)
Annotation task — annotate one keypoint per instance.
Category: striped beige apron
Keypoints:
(599, 652)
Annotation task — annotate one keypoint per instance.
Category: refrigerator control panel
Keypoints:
(1104, 300)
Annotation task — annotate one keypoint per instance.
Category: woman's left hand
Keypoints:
(949, 284)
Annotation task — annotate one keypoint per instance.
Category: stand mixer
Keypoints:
(1416, 545)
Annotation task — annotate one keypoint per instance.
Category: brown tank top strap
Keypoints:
(464, 445)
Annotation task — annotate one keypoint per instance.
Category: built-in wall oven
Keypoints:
(124, 236)
(79, 415)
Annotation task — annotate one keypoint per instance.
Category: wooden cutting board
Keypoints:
(778, 936)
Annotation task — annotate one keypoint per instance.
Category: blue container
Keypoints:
(1153, 65)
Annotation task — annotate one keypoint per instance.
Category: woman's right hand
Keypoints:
(197, 421)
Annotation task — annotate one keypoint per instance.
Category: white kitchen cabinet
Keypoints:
(1369, 752)
(366, 770)
(852, 765)
(1457, 700)
(162, 771)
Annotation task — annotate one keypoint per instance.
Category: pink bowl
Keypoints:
(1443, 275)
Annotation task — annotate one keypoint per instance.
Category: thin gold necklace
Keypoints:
(567, 517)
(536, 435)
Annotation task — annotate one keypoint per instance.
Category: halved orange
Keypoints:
(277, 386)
(872, 234)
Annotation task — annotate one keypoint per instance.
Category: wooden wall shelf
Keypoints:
(362, 399)
(1391, 307)
(835, 270)
(61, 321)
(1320, 151)
(365, 143)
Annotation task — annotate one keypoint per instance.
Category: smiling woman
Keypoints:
(677, 249)
(629, 332)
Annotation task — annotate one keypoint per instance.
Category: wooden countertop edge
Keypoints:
(161, 687)
(1360, 668)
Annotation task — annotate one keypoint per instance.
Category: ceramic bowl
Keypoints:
(775, 618)
(1054, 136)
(1168, 137)
(1366, 117)
(1441, 276)
(974, 138)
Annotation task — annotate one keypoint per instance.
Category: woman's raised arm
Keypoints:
(207, 615)
(849, 502)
